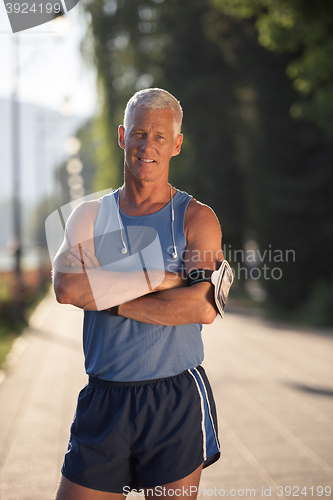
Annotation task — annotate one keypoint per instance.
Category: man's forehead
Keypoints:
(161, 117)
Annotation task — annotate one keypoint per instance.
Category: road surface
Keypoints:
(273, 388)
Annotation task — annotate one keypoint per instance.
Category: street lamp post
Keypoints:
(17, 247)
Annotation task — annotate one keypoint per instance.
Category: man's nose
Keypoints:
(146, 143)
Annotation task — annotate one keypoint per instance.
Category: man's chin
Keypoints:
(143, 174)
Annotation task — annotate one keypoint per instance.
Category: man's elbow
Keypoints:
(208, 314)
(61, 289)
(61, 295)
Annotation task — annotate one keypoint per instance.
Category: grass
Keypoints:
(6, 342)
(11, 326)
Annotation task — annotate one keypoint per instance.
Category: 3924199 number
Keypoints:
(296, 491)
(35, 8)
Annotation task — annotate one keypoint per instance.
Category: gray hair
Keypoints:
(155, 99)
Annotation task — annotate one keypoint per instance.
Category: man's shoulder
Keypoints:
(83, 217)
(197, 210)
(200, 218)
(87, 208)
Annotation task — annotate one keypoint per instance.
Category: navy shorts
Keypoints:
(133, 435)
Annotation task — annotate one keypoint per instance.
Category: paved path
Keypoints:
(273, 387)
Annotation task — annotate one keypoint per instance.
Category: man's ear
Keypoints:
(178, 145)
(121, 136)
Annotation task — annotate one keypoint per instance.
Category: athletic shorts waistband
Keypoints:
(131, 383)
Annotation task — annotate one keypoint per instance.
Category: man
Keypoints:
(146, 419)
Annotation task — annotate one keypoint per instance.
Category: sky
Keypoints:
(52, 75)
(51, 72)
(51, 67)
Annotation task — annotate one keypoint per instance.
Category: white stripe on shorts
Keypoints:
(208, 404)
(202, 418)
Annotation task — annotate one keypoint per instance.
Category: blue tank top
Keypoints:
(121, 349)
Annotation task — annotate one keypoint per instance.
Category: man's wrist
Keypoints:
(114, 311)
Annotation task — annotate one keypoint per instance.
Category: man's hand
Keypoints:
(82, 257)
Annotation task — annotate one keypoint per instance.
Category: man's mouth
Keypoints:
(146, 160)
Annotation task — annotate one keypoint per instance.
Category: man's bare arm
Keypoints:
(79, 280)
(178, 306)
(93, 289)
(193, 304)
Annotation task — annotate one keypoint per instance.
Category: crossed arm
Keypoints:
(79, 280)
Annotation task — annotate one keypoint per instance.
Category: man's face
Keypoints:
(149, 143)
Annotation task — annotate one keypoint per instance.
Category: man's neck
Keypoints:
(143, 198)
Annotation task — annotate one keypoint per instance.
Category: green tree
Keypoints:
(299, 200)
(304, 30)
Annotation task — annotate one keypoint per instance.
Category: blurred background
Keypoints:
(255, 79)
(47, 94)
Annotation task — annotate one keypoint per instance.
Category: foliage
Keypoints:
(6, 342)
(303, 29)
(108, 170)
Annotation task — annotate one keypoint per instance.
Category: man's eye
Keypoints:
(160, 137)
